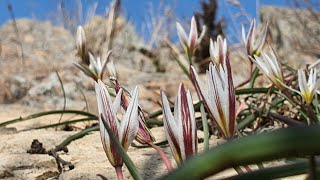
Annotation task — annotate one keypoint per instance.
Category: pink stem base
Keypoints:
(119, 172)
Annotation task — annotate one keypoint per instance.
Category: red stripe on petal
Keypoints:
(186, 123)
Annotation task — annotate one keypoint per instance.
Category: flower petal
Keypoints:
(81, 39)
(183, 38)
(203, 33)
(198, 84)
(261, 38)
(171, 129)
(187, 123)
(193, 36)
(105, 64)
(117, 102)
(107, 116)
(130, 123)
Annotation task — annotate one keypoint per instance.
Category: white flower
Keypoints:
(218, 96)
(144, 135)
(81, 39)
(180, 128)
(190, 43)
(270, 66)
(308, 88)
(97, 67)
(125, 131)
(254, 43)
(218, 50)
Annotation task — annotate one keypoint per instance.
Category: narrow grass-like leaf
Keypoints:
(154, 122)
(64, 95)
(45, 113)
(65, 123)
(252, 91)
(283, 143)
(292, 169)
(246, 121)
(75, 137)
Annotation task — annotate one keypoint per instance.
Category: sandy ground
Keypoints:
(86, 153)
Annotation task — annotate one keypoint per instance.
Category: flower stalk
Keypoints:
(119, 172)
(205, 128)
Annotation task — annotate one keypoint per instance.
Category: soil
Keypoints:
(30, 85)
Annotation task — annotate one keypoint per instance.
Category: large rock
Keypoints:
(45, 48)
(294, 33)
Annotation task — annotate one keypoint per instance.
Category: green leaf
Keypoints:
(65, 123)
(252, 91)
(75, 137)
(291, 169)
(283, 143)
(45, 113)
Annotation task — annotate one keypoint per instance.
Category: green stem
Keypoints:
(205, 128)
(190, 55)
(283, 143)
(255, 74)
(246, 121)
(184, 69)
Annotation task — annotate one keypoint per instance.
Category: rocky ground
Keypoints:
(29, 84)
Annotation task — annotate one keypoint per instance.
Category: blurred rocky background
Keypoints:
(31, 58)
(28, 75)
